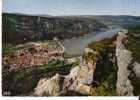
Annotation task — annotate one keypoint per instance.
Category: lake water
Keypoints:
(76, 46)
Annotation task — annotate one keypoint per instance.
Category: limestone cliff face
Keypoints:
(24, 28)
(79, 80)
(114, 66)
(50, 86)
(128, 69)
(96, 67)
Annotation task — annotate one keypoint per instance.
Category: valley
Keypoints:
(70, 55)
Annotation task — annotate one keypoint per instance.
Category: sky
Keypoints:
(73, 7)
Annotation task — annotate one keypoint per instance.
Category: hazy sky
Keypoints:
(73, 7)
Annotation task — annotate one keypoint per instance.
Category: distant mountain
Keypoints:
(115, 19)
(24, 28)
(120, 20)
(25, 14)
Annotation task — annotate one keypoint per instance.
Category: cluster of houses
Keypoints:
(33, 56)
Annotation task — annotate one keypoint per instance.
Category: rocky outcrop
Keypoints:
(49, 87)
(95, 67)
(128, 69)
(62, 85)
(78, 80)
(99, 68)
(124, 58)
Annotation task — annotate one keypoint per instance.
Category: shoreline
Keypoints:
(75, 46)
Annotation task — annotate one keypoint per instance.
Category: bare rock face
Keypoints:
(136, 69)
(124, 86)
(83, 89)
(49, 87)
(126, 66)
(74, 72)
(79, 81)
(80, 78)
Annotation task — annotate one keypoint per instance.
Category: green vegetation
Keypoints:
(91, 56)
(106, 70)
(22, 28)
(134, 28)
(8, 48)
(77, 62)
(103, 44)
(98, 47)
(66, 56)
(107, 87)
(102, 91)
(134, 41)
(25, 80)
(106, 75)
(133, 45)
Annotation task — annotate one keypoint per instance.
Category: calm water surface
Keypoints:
(76, 46)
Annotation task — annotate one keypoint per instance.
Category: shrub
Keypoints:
(102, 91)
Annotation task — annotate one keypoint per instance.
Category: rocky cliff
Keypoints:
(24, 28)
(77, 82)
(95, 68)
(128, 75)
(107, 68)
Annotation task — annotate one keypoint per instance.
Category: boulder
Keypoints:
(49, 87)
